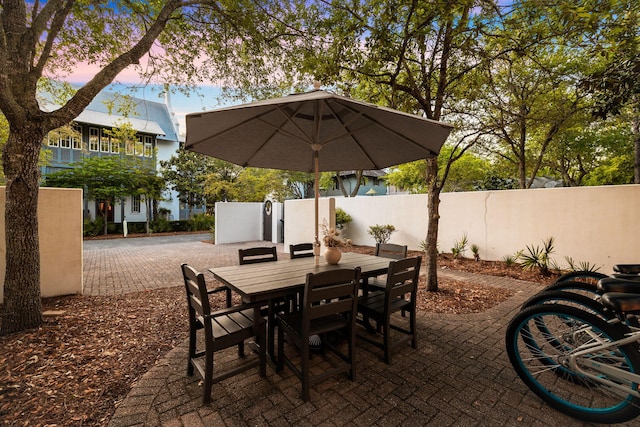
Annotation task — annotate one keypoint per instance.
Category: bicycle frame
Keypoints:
(583, 352)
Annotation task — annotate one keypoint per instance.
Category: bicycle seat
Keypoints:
(622, 302)
(627, 276)
(615, 284)
(627, 268)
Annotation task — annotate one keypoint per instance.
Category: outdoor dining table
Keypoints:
(265, 282)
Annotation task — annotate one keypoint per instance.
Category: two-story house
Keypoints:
(156, 139)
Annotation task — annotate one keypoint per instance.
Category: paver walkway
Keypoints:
(458, 376)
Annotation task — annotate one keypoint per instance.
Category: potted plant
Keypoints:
(332, 241)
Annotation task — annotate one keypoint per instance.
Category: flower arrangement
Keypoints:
(331, 237)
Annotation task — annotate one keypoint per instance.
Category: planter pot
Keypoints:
(332, 255)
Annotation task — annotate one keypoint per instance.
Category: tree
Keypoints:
(417, 57)
(108, 180)
(354, 191)
(465, 174)
(48, 39)
(186, 172)
(615, 82)
(529, 101)
(585, 150)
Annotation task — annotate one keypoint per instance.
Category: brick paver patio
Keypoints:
(458, 376)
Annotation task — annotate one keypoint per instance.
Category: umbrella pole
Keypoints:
(316, 196)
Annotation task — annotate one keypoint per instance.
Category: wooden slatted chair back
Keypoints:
(391, 250)
(402, 279)
(255, 255)
(301, 250)
(329, 293)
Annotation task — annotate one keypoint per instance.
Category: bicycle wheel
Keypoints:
(581, 276)
(543, 364)
(567, 297)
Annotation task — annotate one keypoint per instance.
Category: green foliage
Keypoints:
(160, 225)
(342, 218)
(460, 246)
(581, 266)
(110, 179)
(510, 260)
(475, 249)
(186, 173)
(538, 257)
(93, 228)
(202, 222)
(381, 233)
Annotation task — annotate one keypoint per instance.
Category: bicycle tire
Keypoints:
(569, 298)
(582, 288)
(539, 364)
(581, 276)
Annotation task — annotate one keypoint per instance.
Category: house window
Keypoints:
(139, 146)
(105, 142)
(76, 140)
(129, 146)
(52, 142)
(148, 146)
(115, 145)
(135, 204)
(65, 141)
(94, 139)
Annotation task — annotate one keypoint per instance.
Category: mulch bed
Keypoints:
(84, 359)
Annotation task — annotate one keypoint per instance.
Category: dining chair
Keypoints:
(386, 250)
(329, 305)
(255, 255)
(301, 250)
(399, 294)
(222, 329)
(391, 250)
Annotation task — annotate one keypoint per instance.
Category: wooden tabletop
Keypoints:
(267, 280)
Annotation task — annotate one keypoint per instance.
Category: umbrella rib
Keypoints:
(345, 126)
(376, 123)
(279, 130)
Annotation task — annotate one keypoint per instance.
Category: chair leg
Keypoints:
(304, 369)
(192, 350)
(208, 377)
(229, 302)
(280, 355)
(412, 327)
(241, 349)
(387, 346)
(263, 353)
(351, 334)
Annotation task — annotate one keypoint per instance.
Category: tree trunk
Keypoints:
(22, 307)
(105, 215)
(433, 207)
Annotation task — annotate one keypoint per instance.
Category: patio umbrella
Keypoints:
(315, 131)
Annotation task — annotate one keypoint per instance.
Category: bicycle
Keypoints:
(578, 362)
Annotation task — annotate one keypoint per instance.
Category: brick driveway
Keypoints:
(458, 376)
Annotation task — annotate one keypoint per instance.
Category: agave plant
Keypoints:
(538, 257)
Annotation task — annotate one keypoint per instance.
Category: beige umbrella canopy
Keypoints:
(315, 131)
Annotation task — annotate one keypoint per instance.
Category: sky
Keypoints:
(204, 98)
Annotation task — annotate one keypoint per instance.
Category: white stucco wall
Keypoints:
(299, 219)
(238, 222)
(589, 224)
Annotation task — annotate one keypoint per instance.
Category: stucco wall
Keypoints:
(598, 225)
(238, 222)
(60, 233)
